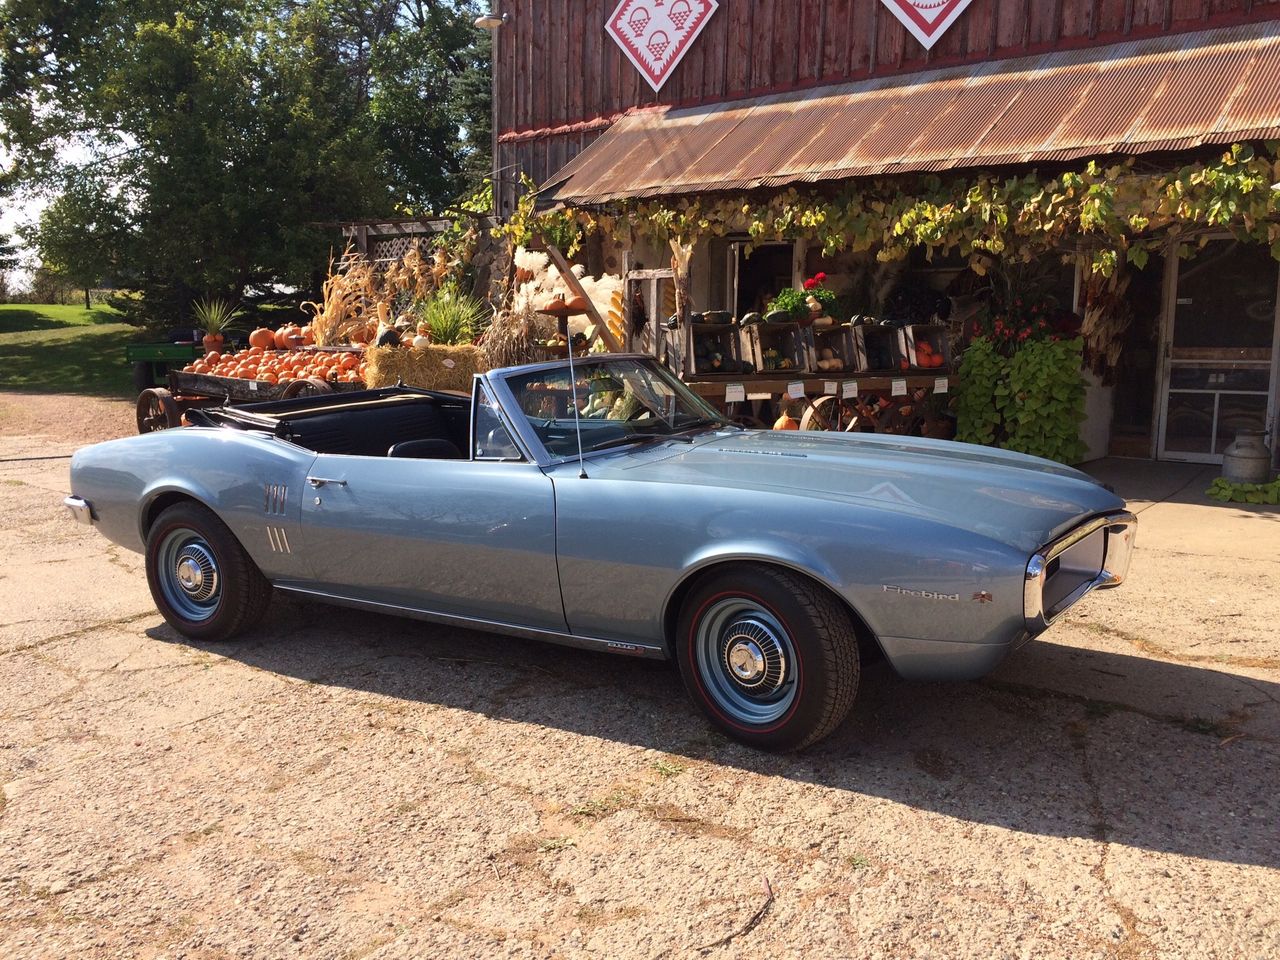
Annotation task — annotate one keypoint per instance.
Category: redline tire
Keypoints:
(202, 581)
(770, 657)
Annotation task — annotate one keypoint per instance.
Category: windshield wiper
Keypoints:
(630, 438)
(700, 422)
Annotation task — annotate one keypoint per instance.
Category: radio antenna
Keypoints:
(577, 416)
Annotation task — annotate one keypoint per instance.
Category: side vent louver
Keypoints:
(276, 499)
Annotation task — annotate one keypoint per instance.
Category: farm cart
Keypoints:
(160, 408)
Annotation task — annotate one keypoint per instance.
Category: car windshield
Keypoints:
(619, 402)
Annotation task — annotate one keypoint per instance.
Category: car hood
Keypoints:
(1009, 497)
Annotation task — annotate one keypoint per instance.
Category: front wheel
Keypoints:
(770, 657)
(201, 579)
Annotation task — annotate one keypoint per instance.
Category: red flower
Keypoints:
(820, 277)
(810, 284)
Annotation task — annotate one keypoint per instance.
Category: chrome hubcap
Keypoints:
(197, 575)
(746, 661)
(744, 657)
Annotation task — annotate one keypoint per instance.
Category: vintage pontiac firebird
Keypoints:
(612, 509)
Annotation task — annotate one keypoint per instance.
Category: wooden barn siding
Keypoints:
(558, 66)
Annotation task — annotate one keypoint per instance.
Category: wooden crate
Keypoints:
(792, 343)
(704, 340)
(839, 340)
(935, 335)
(874, 347)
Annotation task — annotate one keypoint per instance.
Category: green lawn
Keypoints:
(64, 349)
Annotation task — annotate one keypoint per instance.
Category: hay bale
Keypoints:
(430, 368)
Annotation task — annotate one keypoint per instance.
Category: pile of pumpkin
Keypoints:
(273, 357)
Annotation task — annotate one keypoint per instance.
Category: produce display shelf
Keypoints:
(714, 387)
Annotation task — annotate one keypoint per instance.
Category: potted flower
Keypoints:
(215, 317)
(820, 301)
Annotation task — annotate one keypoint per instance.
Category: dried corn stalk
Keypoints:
(345, 298)
(1107, 315)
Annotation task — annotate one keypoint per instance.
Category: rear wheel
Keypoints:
(770, 657)
(201, 579)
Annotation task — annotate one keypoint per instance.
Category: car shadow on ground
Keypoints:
(1009, 751)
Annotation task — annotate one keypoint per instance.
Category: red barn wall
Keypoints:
(560, 79)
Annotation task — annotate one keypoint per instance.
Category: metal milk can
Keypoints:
(1248, 460)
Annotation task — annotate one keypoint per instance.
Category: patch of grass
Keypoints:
(604, 806)
(667, 768)
(19, 317)
(556, 843)
(1203, 725)
(65, 349)
(858, 862)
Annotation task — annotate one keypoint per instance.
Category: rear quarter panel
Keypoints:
(226, 470)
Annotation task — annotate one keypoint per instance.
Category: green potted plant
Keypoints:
(215, 317)
(788, 306)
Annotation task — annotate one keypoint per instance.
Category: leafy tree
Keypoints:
(231, 132)
(8, 255)
(82, 236)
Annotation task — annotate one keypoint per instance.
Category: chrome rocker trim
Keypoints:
(81, 510)
(647, 651)
(1120, 531)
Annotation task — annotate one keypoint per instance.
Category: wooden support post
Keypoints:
(602, 326)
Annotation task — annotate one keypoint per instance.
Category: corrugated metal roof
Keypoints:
(1163, 93)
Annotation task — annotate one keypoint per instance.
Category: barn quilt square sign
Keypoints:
(656, 34)
(927, 20)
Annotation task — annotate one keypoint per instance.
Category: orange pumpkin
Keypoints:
(285, 335)
(262, 338)
(786, 422)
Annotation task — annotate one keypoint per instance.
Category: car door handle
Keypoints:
(319, 482)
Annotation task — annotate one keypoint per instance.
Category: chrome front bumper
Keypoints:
(81, 510)
(1093, 556)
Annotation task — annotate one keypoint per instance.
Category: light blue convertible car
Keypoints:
(612, 509)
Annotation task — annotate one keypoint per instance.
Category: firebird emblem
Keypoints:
(984, 597)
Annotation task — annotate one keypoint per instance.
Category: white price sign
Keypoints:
(849, 389)
(831, 388)
(899, 388)
(796, 390)
(941, 385)
(735, 393)
(759, 396)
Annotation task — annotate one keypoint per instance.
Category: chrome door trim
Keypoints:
(646, 651)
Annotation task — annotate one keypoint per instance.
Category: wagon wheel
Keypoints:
(157, 410)
(828, 413)
(308, 387)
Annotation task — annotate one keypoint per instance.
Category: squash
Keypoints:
(786, 422)
(262, 337)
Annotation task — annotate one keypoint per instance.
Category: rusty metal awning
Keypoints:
(1164, 93)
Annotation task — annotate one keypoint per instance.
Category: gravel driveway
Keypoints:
(346, 785)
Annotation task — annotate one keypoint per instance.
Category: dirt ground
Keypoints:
(349, 786)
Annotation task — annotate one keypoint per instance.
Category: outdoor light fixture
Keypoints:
(491, 20)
